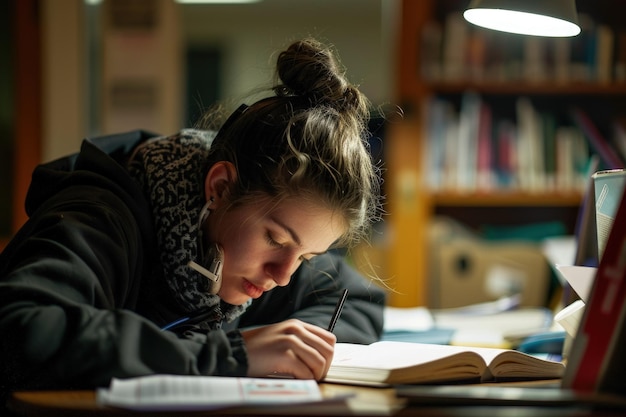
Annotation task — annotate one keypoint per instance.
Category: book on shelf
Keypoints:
(530, 140)
(455, 33)
(452, 50)
(390, 362)
(466, 148)
(474, 148)
(619, 137)
(604, 53)
(440, 116)
(484, 160)
(430, 52)
(605, 149)
(619, 61)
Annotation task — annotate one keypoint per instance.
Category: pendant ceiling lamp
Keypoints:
(554, 18)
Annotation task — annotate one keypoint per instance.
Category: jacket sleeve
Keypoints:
(68, 283)
(312, 295)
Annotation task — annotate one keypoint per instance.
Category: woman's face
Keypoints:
(264, 243)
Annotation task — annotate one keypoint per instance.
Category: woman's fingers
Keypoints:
(292, 347)
(315, 343)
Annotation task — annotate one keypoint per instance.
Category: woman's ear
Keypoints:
(218, 180)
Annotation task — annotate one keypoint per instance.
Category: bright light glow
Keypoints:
(521, 22)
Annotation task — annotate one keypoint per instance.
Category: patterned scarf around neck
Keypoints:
(171, 171)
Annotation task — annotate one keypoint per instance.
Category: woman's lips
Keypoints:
(251, 290)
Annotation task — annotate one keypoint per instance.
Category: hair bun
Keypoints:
(310, 70)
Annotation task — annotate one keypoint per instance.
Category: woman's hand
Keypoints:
(291, 347)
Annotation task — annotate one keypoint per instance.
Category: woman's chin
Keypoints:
(233, 299)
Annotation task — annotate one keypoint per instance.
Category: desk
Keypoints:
(363, 401)
(372, 402)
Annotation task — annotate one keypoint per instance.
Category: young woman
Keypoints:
(198, 253)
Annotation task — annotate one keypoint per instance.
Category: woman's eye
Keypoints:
(272, 242)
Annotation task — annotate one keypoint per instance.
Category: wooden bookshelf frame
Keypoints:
(28, 110)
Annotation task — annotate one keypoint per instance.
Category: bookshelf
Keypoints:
(553, 82)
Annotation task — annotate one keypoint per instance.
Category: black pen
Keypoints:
(338, 309)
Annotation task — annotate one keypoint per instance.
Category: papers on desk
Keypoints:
(485, 324)
(505, 329)
(179, 392)
(580, 278)
(414, 319)
(559, 250)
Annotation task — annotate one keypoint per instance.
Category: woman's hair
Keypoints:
(309, 139)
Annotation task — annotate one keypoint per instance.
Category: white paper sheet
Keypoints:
(580, 278)
(180, 392)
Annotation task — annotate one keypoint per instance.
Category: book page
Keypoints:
(180, 392)
(396, 362)
(391, 355)
(516, 365)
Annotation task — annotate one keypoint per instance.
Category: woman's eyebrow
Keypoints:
(294, 236)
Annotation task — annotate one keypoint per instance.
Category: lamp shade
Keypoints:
(555, 18)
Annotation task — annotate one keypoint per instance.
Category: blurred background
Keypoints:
(77, 68)
(460, 228)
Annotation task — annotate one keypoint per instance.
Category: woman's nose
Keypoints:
(282, 269)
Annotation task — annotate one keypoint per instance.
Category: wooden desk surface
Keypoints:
(362, 402)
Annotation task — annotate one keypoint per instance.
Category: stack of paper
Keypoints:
(178, 392)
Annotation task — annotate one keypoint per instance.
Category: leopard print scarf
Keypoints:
(171, 171)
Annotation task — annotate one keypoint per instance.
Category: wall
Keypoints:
(63, 77)
(362, 32)
(141, 85)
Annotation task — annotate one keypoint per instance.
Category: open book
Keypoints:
(390, 362)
